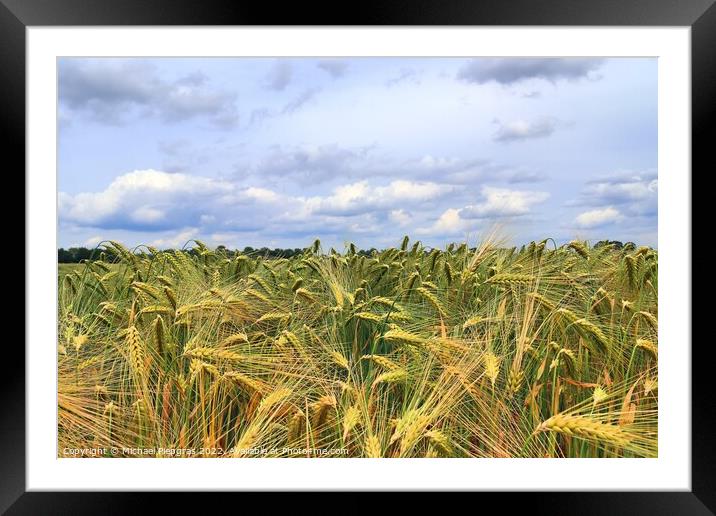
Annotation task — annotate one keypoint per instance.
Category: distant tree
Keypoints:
(75, 254)
(64, 256)
(368, 252)
(616, 244)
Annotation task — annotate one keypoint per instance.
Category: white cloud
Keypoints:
(227, 239)
(262, 194)
(360, 197)
(624, 189)
(599, 217)
(634, 193)
(93, 241)
(177, 240)
(344, 198)
(450, 223)
(503, 202)
(439, 162)
(143, 199)
(411, 191)
(518, 130)
(156, 201)
(400, 217)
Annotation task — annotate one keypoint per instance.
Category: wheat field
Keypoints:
(486, 351)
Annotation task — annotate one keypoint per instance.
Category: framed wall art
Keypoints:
(410, 249)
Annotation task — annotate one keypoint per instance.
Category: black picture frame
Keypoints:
(700, 15)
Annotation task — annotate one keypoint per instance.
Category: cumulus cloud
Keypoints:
(400, 217)
(157, 201)
(511, 70)
(148, 200)
(176, 240)
(503, 202)
(361, 197)
(636, 193)
(623, 188)
(261, 194)
(92, 241)
(450, 223)
(112, 91)
(279, 76)
(519, 130)
(336, 68)
(597, 218)
(497, 203)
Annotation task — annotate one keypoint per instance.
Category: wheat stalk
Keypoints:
(372, 447)
(213, 354)
(584, 427)
(399, 335)
(393, 376)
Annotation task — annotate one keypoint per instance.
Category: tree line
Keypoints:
(79, 254)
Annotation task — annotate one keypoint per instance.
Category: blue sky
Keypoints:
(276, 152)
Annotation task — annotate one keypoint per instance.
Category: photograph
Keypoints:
(357, 257)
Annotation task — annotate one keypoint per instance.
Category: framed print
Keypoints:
(419, 252)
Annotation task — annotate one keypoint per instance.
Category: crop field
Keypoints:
(486, 351)
(64, 269)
